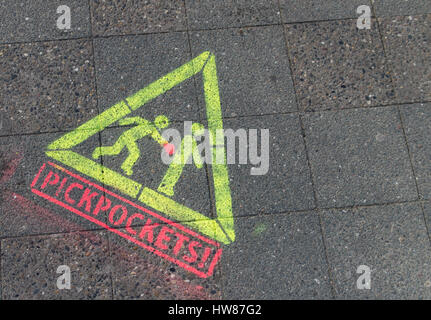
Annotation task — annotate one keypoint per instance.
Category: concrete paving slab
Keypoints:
(36, 20)
(127, 64)
(138, 274)
(24, 213)
(336, 66)
(391, 240)
(417, 125)
(29, 267)
(286, 186)
(314, 10)
(276, 257)
(359, 157)
(47, 86)
(207, 14)
(401, 7)
(252, 67)
(408, 47)
(137, 16)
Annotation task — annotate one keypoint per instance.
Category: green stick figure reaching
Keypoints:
(130, 137)
(189, 148)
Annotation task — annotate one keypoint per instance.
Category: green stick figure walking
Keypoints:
(189, 147)
(130, 137)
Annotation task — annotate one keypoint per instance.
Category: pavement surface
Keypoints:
(348, 113)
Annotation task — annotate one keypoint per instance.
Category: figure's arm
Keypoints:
(131, 120)
(158, 137)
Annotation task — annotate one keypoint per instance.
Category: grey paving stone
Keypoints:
(401, 7)
(121, 17)
(29, 267)
(127, 64)
(252, 68)
(276, 257)
(427, 214)
(139, 274)
(23, 212)
(359, 157)
(417, 125)
(408, 46)
(191, 189)
(207, 14)
(312, 10)
(336, 66)
(391, 240)
(34, 20)
(287, 184)
(46, 87)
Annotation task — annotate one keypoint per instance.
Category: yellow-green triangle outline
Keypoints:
(221, 228)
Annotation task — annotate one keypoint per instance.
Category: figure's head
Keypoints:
(161, 122)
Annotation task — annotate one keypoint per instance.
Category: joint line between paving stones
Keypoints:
(201, 116)
(192, 30)
(329, 272)
(409, 153)
(391, 105)
(86, 230)
(389, 66)
(414, 174)
(353, 207)
(421, 202)
(90, 16)
(52, 234)
(373, 9)
(108, 240)
(317, 211)
(13, 43)
(373, 205)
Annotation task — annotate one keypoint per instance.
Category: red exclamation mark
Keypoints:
(207, 253)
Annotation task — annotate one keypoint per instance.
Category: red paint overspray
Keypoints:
(32, 212)
(180, 289)
(45, 184)
(11, 167)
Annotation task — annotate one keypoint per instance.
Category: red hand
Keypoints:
(169, 148)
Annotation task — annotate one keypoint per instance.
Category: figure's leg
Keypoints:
(174, 171)
(131, 159)
(170, 179)
(111, 150)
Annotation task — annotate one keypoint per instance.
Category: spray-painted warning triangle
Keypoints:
(221, 228)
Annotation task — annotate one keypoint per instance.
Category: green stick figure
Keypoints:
(129, 138)
(188, 148)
